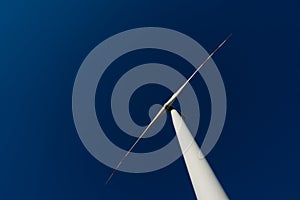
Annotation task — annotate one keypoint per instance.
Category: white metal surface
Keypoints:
(204, 181)
(167, 104)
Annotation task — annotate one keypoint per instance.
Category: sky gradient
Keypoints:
(43, 44)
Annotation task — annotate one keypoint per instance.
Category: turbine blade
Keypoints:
(160, 112)
(166, 106)
(202, 64)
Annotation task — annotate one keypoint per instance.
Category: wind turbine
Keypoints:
(205, 183)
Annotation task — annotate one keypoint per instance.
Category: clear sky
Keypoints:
(43, 44)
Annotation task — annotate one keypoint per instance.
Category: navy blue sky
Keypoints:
(43, 44)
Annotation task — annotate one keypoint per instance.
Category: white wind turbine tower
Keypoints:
(204, 181)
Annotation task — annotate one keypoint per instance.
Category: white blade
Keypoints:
(161, 111)
(167, 105)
